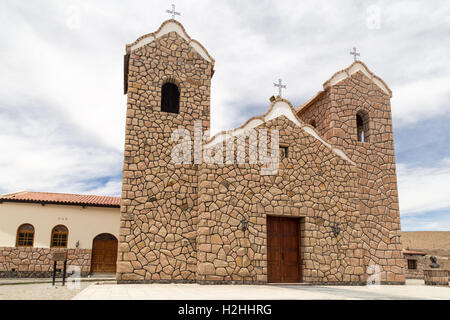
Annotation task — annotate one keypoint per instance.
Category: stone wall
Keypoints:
(421, 263)
(313, 183)
(436, 277)
(335, 114)
(157, 240)
(23, 262)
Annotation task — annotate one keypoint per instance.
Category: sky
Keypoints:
(62, 108)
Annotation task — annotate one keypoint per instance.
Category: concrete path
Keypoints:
(14, 281)
(39, 291)
(412, 290)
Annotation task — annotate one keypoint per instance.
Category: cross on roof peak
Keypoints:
(280, 86)
(354, 53)
(173, 12)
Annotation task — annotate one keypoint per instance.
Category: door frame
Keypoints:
(300, 225)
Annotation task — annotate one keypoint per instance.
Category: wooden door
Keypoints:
(104, 254)
(283, 250)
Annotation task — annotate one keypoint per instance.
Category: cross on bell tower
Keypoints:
(354, 53)
(173, 12)
(280, 86)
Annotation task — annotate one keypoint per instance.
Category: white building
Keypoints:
(34, 225)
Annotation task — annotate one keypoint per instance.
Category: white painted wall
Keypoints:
(83, 224)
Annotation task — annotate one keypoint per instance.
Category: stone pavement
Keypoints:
(39, 291)
(9, 281)
(412, 290)
(42, 289)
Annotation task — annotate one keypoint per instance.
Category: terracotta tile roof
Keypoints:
(62, 198)
(413, 252)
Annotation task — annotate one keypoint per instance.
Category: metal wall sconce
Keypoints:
(244, 224)
(336, 230)
(77, 244)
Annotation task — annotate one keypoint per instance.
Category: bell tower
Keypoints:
(353, 112)
(167, 82)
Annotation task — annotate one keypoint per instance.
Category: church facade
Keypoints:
(329, 214)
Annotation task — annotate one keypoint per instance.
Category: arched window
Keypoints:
(313, 123)
(25, 236)
(170, 98)
(59, 237)
(362, 126)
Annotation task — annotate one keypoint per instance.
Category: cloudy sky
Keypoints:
(62, 111)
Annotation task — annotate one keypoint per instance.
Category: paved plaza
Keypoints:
(413, 290)
(39, 291)
(104, 290)
(42, 289)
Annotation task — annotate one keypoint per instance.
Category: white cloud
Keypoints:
(254, 43)
(423, 189)
(425, 224)
(421, 99)
(43, 152)
(111, 188)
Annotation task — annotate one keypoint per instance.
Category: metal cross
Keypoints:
(354, 53)
(173, 12)
(280, 86)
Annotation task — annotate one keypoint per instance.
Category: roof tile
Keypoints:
(62, 198)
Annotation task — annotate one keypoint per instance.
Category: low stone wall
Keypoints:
(421, 264)
(38, 262)
(436, 277)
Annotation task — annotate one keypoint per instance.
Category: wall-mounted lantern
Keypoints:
(244, 224)
(77, 244)
(336, 230)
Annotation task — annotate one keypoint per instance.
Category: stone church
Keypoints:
(330, 214)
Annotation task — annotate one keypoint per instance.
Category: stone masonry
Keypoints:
(312, 183)
(26, 262)
(334, 112)
(435, 277)
(181, 222)
(157, 238)
(421, 264)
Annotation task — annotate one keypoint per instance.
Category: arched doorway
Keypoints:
(104, 254)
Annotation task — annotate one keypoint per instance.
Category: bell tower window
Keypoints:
(362, 126)
(170, 98)
(283, 152)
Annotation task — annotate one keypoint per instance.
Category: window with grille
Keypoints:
(25, 236)
(59, 237)
(412, 264)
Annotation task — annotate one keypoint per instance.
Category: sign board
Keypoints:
(59, 256)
